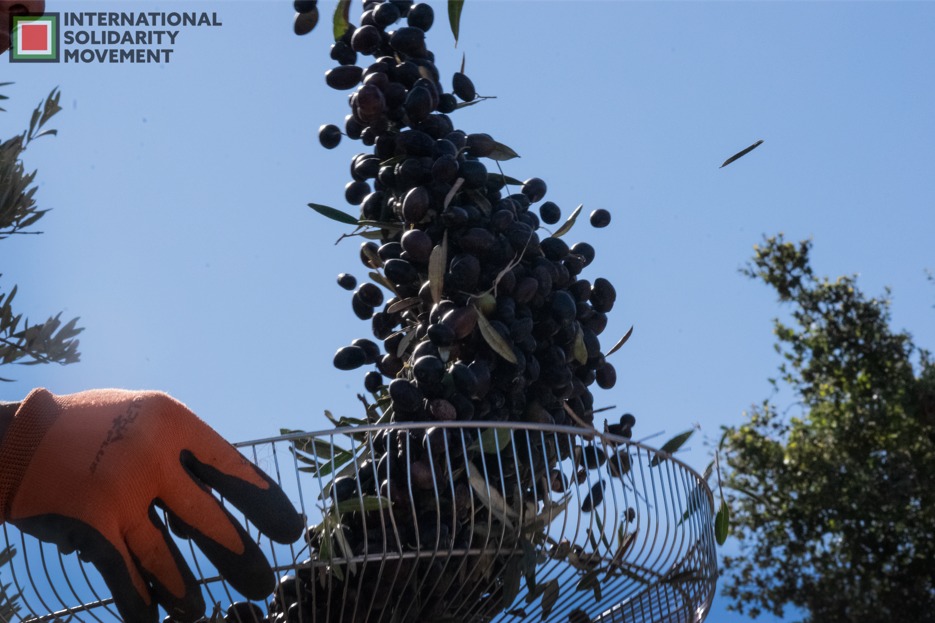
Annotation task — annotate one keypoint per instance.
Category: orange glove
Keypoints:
(9, 8)
(85, 471)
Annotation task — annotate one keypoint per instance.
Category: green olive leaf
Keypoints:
(494, 440)
(502, 152)
(454, 17)
(671, 446)
(365, 504)
(567, 225)
(722, 523)
(494, 339)
(334, 214)
(341, 20)
(549, 597)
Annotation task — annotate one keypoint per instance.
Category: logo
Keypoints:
(34, 39)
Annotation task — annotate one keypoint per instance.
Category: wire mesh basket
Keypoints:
(495, 521)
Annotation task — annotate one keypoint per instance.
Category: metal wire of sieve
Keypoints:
(460, 523)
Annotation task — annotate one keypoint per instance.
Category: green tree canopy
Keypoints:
(834, 508)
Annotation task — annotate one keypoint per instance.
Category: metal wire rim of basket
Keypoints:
(506, 526)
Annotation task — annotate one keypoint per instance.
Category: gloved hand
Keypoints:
(9, 8)
(85, 471)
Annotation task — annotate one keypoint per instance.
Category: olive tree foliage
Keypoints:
(834, 506)
(22, 342)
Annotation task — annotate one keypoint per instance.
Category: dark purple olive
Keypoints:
(447, 103)
(416, 204)
(417, 244)
(366, 40)
(600, 218)
(414, 143)
(628, 420)
(534, 188)
(346, 281)
(606, 376)
(355, 192)
(462, 86)
(361, 309)
(445, 169)
(474, 173)
(304, 6)
(370, 103)
(563, 306)
(373, 381)
(585, 250)
(349, 358)
(550, 213)
(593, 457)
(461, 320)
(418, 104)
(344, 77)
(370, 348)
(595, 497)
(390, 251)
(305, 22)
(441, 335)
(428, 370)
(406, 396)
(385, 14)
(421, 16)
(442, 411)
(408, 40)
(341, 52)
(603, 295)
(400, 272)
(553, 248)
(329, 136)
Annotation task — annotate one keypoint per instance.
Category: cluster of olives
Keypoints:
(477, 312)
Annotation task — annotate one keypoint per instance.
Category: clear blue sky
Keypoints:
(179, 232)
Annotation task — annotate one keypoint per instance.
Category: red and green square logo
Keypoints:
(34, 39)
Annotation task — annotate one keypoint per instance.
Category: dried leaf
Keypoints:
(438, 260)
(622, 341)
(590, 581)
(568, 224)
(494, 339)
(491, 498)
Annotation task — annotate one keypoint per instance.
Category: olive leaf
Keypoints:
(622, 341)
(403, 304)
(383, 281)
(341, 20)
(491, 498)
(437, 261)
(722, 524)
(365, 504)
(454, 17)
(696, 500)
(334, 214)
(502, 152)
(590, 581)
(529, 563)
(549, 597)
(507, 180)
(670, 447)
(568, 224)
(511, 579)
(494, 440)
(494, 339)
(452, 192)
(579, 349)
